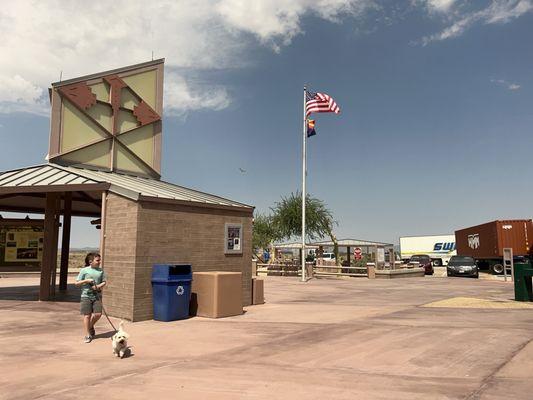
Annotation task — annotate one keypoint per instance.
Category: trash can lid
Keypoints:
(171, 271)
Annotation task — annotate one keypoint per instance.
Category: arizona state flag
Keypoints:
(311, 127)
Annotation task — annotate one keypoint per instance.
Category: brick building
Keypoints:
(104, 162)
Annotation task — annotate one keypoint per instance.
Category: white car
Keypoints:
(328, 256)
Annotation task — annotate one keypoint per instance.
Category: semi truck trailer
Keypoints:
(439, 248)
(485, 242)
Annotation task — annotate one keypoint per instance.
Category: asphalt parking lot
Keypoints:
(325, 339)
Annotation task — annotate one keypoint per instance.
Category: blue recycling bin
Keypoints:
(171, 291)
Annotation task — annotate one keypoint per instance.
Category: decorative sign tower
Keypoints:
(110, 121)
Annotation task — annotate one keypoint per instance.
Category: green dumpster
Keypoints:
(523, 273)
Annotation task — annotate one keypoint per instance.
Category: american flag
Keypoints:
(320, 102)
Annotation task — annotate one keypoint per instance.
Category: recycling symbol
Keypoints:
(180, 290)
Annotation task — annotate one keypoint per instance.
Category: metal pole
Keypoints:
(304, 135)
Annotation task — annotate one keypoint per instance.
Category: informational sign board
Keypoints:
(357, 253)
(21, 244)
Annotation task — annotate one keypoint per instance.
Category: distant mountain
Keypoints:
(83, 249)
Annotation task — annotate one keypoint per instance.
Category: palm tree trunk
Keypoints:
(335, 246)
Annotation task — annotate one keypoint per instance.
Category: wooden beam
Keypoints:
(348, 254)
(48, 251)
(88, 199)
(83, 197)
(37, 210)
(7, 196)
(55, 237)
(91, 187)
(65, 242)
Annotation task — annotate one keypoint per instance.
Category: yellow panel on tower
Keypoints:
(78, 129)
(145, 85)
(97, 155)
(140, 142)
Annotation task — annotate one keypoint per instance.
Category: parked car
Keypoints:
(462, 266)
(328, 256)
(424, 261)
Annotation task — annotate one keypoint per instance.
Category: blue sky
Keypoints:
(435, 132)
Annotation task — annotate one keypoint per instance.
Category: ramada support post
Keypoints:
(48, 261)
(65, 243)
(55, 236)
(348, 255)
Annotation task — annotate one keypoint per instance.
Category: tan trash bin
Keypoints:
(216, 294)
(258, 291)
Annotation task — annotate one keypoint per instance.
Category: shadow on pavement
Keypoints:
(104, 335)
(31, 293)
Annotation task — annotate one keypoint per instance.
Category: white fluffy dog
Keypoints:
(120, 341)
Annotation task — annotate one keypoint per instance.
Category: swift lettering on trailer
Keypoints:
(444, 246)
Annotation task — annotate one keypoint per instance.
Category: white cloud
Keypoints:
(440, 5)
(19, 94)
(504, 11)
(507, 85)
(499, 11)
(184, 98)
(40, 39)
(276, 22)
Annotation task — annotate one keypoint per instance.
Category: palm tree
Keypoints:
(287, 219)
(264, 233)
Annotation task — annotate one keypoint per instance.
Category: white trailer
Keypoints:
(438, 247)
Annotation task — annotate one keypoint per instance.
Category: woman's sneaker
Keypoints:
(88, 339)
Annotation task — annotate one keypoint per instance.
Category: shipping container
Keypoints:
(486, 242)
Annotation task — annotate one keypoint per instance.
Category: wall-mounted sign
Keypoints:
(233, 239)
(23, 245)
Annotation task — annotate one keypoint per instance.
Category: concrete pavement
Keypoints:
(325, 339)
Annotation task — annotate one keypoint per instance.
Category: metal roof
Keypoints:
(294, 245)
(341, 243)
(353, 243)
(54, 178)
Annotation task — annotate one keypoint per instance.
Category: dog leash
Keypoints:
(103, 309)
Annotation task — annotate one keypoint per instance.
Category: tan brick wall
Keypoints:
(176, 234)
(119, 255)
(139, 235)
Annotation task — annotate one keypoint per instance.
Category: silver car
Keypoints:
(462, 266)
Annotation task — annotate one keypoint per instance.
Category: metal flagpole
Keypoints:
(303, 186)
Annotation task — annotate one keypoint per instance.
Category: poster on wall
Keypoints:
(233, 238)
(23, 245)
